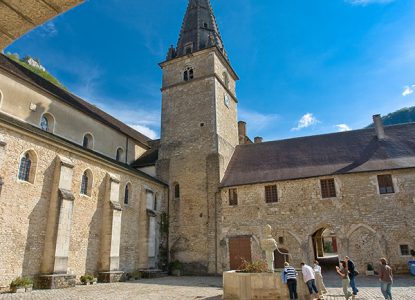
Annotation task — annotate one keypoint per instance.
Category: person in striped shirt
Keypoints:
(291, 275)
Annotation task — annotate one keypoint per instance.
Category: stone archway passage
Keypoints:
(324, 244)
(239, 250)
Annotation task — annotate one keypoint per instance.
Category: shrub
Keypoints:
(175, 265)
(87, 278)
(413, 252)
(136, 274)
(20, 282)
(259, 266)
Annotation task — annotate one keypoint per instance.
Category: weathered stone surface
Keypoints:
(56, 281)
(110, 277)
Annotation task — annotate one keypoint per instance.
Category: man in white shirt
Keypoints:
(309, 279)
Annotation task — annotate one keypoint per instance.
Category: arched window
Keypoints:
(118, 156)
(47, 122)
(86, 183)
(88, 141)
(188, 74)
(176, 191)
(27, 167)
(127, 194)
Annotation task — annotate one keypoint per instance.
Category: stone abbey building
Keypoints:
(82, 192)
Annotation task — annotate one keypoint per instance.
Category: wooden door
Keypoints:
(280, 259)
(239, 250)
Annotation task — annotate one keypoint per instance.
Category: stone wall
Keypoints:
(24, 208)
(367, 225)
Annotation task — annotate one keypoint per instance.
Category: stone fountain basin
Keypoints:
(264, 286)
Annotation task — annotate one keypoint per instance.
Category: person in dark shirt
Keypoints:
(352, 275)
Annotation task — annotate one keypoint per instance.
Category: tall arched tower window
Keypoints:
(127, 194)
(176, 191)
(27, 167)
(188, 74)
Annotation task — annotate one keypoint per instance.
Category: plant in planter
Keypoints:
(21, 285)
(88, 279)
(370, 271)
(136, 275)
(176, 268)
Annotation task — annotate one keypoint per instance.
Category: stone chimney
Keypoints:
(242, 132)
(258, 140)
(380, 132)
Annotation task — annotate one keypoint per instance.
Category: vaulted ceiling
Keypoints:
(17, 17)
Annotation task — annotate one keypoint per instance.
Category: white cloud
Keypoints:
(48, 29)
(147, 131)
(306, 121)
(409, 89)
(257, 120)
(367, 2)
(343, 127)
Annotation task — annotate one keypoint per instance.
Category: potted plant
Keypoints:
(88, 279)
(370, 271)
(21, 285)
(176, 268)
(135, 275)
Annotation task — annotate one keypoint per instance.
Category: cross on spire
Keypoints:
(199, 30)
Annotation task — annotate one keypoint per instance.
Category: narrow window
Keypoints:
(190, 74)
(281, 240)
(271, 195)
(119, 154)
(205, 25)
(385, 184)
(86, 183)
(24, 169)
(188, 50)
(47, 122)
(176, 191)
(127, 194)
(328, 188)
(233, 197)
(88, 141)
(226, 79)
(186, 75)
(404, 250)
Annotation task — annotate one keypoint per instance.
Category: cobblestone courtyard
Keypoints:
(207, 288)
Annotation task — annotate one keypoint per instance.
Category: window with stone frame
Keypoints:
(88, 141)
(385, 184)
(176, 191)
(86, 183)
(188, 74)
(328, 188)
(119, 154)
(404, 250)
(47, 122)
(271, 195)
(233, 197)
(27, 167)
(127, 194)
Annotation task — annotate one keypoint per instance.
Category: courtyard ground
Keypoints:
(204, 288)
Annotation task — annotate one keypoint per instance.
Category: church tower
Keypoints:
(199, 133)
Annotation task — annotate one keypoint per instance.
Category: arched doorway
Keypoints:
(325, 246)
(280, 257)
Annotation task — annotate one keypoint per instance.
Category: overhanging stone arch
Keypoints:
(356, 227)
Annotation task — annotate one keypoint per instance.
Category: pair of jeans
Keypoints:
(386, 288)
(311, 284)
(353, 285)
(292, 288)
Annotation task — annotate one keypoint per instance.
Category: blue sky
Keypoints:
(306, 66)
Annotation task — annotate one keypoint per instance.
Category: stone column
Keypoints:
(111, 233)
(54, 268)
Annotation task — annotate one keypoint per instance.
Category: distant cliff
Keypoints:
(35, 66)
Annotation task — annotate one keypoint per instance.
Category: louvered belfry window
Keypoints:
(271, 194)
(84, 184)
(385, 184)
(233, 197)
(328, 188)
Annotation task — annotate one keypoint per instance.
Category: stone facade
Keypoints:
(32, 230)
(368, 225)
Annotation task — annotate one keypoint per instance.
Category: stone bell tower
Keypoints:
(199, 133)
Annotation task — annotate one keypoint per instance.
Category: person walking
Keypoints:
(319, 278)
(385, 278)
(344, 274)
(352, 275)
(309, 279)
(291, 275)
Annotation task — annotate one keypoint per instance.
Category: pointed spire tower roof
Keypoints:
(199, 30)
